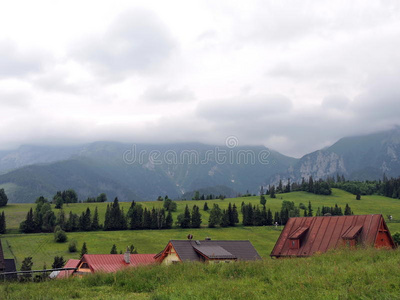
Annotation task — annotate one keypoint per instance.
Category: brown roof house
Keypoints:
(6, 265)
(308, 235)
(206, 251)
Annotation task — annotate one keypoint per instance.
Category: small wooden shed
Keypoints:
(304, 236)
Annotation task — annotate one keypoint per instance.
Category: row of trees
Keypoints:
(100, 198)
(223, 217)
(136, 218)
(197, 196)
(61, 197)
(43, 219)
(385, 187)
(190, 219)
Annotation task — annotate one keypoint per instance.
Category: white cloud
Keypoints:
(292, 75)
(135, 42)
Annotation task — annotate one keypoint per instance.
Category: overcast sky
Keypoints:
(294, 76)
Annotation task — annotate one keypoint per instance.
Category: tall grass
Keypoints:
(341, 274)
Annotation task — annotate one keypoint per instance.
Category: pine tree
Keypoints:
(284, 216)
(248, 215)
(95, 222)
(136, 217)
(269, 217)
(48, 221)
(358, 196)
(263, 201)
(225, 218)
(185, 222)
(318, 212)
(27, 264)
(107, 219)
(114, 249)
(85, 220)
(272, 192)
(59, 262)
(196, 217)
(264, 216)
(84, 250)
(257, 217)
(161, 220)
(229, 212)
(235, 215)
(310, 210)
(146, 219)
(169, 221)
(29, 225)
(310, 185)
(2, 223)
(154, 222)
(215, 216)
(3, 198)
(60, 220)
(347, 210)
(73, 222)
(205, 208)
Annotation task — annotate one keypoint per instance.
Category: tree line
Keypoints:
(43, 219)
(388, 187)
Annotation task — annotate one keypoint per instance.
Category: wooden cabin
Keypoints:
(206, 251)
(305, 236)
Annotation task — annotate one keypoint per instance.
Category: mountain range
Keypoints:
(145, 171)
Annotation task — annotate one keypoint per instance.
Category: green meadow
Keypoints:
(43, 249)
(341, 274)
(16, 213)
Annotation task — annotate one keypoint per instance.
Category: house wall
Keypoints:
(171, 257)
(383, 240)
(83, 270)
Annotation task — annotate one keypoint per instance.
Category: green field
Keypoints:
(342, 274)
(16, 213)
(43, 249)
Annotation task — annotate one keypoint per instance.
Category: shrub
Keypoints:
(59, 235)
(396, 238)
(72, 247)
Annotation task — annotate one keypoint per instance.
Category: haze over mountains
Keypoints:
(144, 171)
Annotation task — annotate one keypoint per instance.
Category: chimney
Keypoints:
(127, 256)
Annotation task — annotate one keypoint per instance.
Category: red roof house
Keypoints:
(108, 263)
(71, 263)
(308, 235)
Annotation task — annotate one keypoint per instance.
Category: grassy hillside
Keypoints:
(43, 248)
(16, 213)
(346, 274)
